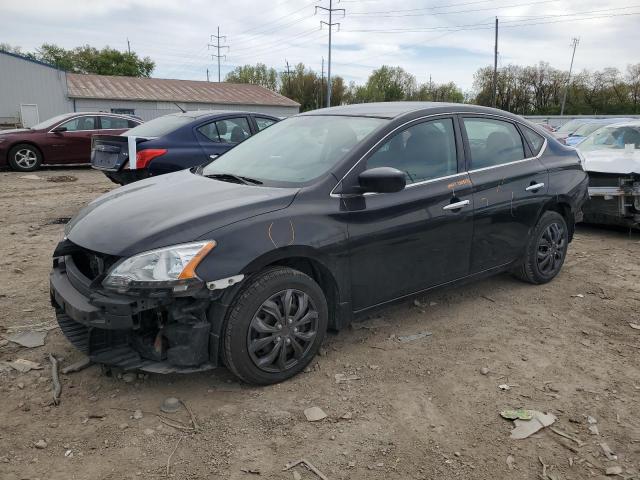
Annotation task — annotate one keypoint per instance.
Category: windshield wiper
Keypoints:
(228, 177)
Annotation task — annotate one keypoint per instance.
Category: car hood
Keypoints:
(612, 161)
(15, 130)
(167, 210)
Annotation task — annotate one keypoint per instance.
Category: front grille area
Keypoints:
(92, 264)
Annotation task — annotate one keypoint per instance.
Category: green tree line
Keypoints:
(87, 59)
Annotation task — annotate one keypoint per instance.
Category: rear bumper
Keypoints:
(125, 176)
(124, 332)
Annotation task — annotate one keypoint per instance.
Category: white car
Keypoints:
(611, 157)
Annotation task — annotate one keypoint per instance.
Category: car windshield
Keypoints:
(159, 126)
(51, 122)
(587, 129)
(612, 137)
(294, 151)
(571, 125)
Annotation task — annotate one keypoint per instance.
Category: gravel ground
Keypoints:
(421, 409)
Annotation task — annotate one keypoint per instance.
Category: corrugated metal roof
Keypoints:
(164, 90)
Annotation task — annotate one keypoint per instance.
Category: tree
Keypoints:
(87, 59)
(256, 75)
(388, 84)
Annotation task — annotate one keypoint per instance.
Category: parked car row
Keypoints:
(61, 140)
(248, 259)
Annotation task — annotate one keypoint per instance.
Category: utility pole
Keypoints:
(321, 81)
(207, 74)
(217, 45)
(330, 24)
(574, 43)
(128, 46)
(494, 94)
(288, 78)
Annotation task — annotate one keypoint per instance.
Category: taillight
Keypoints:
(143, 157)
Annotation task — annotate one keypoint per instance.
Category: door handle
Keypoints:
(213, 157)
(533, 188)
(456, 205)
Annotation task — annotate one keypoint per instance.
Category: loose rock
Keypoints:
(137, 415)
(41, 444)
(314, 414)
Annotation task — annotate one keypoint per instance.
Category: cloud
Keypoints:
(449, 41)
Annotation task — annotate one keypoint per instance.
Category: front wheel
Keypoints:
(546, 249)
(275, 326)
(25, 158)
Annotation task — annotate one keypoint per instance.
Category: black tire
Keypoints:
(25, 158)
(546, 250)
(251, 323)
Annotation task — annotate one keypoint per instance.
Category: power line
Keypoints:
(574, 43)
(217, 45)
(330, 24)
(431, 13)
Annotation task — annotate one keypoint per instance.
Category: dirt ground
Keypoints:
(419, 409)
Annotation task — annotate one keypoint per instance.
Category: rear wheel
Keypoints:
(275, 326)
(546, 249)
(25, 158)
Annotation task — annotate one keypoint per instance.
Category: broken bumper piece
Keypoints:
(158, 332)
(613, 200)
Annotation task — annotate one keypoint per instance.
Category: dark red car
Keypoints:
(61, 140)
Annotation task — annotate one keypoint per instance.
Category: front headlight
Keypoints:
(169, 267)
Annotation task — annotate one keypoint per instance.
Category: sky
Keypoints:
(444, 40)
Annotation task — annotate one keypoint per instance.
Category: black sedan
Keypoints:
(173, 142)
(247, 261)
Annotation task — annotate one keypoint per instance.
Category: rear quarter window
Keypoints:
(536, 141)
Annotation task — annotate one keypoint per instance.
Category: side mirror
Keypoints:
(382, 180)
(59, 129)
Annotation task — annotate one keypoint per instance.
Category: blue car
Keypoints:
(173, 142)
(588, 128)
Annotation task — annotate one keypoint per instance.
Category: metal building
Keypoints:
(32, 91)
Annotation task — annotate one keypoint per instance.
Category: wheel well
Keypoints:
(563, 209)
(322, 277)
(31, 144)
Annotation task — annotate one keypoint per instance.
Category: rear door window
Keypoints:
(492, 142)
(114, 123)
(79, 124)
(233, 130)
(423, 152)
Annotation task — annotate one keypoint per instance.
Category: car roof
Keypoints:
(205, 113)
(398, 109)
(632, 123)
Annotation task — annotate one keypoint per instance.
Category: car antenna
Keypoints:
(181, 109)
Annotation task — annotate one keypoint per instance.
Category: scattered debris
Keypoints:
(77, 366)
(28, 339)
(253, 471)
(314, 414)
(504, 386)
(170, 405)
(307, 464)
(31, 176)
(171, 455)
(416, 336)
(635, 326)
(341, 377)
(40, 444)
(591, 420)
(62, 178)
(68, 453)
(296, 476)
(58, 221)
(137, 415)
(487, 297)
(23, 366)
(593, 430)
(57, 388)
(579, 295)
(608, 452)
(520, 413)
(129, 377)
(347, 416)
(510, 462)
(566, 435)
(484, 370)
(614, 470)
(526, 428)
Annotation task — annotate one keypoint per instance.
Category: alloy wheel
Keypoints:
(282, 331)
(26, 158)
(551, 249)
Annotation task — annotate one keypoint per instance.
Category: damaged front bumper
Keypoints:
(613, 199)
(158, 332)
